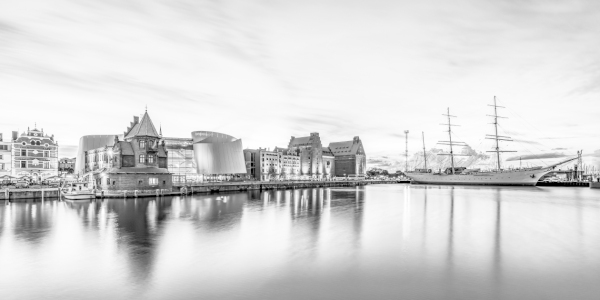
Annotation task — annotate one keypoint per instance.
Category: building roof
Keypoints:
(143, 128)
(126, 148)
(327, 151)
(300, 140)
(280, 149)
(347, 147)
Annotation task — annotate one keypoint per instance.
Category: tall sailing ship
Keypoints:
(462, 175)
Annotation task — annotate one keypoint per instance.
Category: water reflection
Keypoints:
(423, 242)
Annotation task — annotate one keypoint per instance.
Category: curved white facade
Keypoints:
(217, 153)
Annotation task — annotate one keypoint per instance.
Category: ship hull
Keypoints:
(521, 177)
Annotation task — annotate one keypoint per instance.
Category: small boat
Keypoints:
(77, 191)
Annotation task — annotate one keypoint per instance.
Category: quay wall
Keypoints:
(29, 194)
(565, 183)
(53, 193)
(239, 186)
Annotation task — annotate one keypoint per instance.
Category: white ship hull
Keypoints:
(517, 177)
(87, 196)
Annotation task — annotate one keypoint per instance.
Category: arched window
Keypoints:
(38, 143)
(142, 158)
(33, 142)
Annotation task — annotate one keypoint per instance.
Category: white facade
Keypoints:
(217, 153)
(5, 157)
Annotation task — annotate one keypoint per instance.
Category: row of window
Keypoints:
(146, 158)
(43, 165)
(3, 147)
(151, 181)
(24, 152)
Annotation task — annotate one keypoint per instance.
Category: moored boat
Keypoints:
(77, 191)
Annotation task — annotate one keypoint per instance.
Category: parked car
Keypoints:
(22, 184)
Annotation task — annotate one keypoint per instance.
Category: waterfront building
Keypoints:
(89, 142)
(218, 156)
(328, 163)
(5, 157)
(181, 163)
(66, 165)
(139, 162)
(350, 158)
(267, 165)
(34, 155)
(310, 151)
(290, 164)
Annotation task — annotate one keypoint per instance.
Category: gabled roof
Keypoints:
(143, 128)
(327, 151)
(346, 148)
(300, 140)
(126, 148)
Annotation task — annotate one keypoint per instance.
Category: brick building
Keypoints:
(310, 151)
(139, 162)
(35, 155)
(350, 158)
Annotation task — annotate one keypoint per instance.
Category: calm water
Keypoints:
(377, 242)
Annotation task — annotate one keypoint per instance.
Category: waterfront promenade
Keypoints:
(196, 188)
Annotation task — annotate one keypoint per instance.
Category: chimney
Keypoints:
(0, 137)
(14, 135)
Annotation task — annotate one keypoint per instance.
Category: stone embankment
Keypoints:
(215, 187)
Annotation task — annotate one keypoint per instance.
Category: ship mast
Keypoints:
(450, 142)
(424, 153)
(495, 136)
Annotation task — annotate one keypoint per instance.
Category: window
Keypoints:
(151, 158)
(1, 166)
(23, 152)
(142, 144)
(46, 154)
(38, 143)
(23, 164)
(1, 156)
(142, 158)
(3, 147)
(164, 182)
(153, 181)
(46, 165)
(140, 182)
(107, 181)
(33, 142)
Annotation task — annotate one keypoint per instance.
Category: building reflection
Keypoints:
(30, 221)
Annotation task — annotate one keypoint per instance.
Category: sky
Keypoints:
(265, 70)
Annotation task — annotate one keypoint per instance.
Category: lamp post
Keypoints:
(406, 151)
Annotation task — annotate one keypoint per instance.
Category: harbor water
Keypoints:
(393, 241)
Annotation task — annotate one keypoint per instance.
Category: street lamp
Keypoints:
(406, 151)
